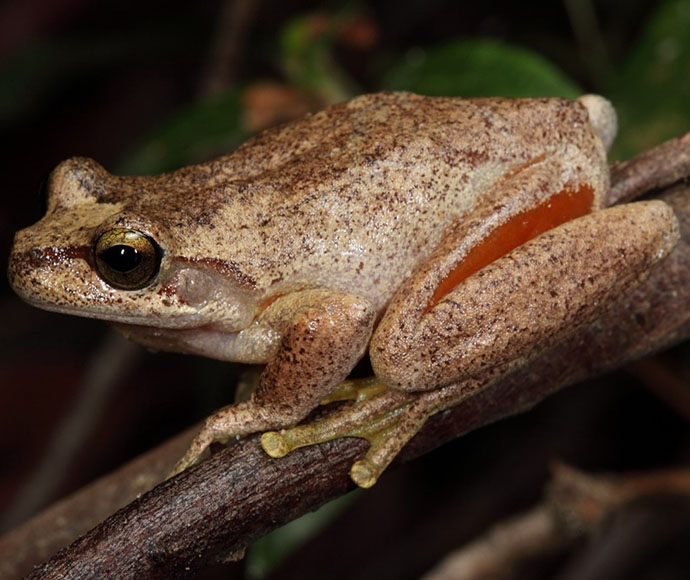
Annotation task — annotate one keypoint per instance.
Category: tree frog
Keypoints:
(450, 239)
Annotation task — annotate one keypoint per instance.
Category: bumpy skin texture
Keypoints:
(351, 199)
(514, 307)
(292, 249)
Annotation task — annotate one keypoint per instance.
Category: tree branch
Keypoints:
(659, 167)
(240, 493)
(576, 504)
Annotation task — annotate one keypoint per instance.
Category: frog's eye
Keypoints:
(127, 259)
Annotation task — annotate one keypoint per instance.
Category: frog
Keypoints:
(448, 239)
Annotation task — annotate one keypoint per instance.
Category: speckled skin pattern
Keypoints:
(313, 237)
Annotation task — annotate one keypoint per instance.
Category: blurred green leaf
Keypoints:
(266, 553)
(196, 133)
(479, 67)
(652, 91)
(306, 54)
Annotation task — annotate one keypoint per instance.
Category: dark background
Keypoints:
(129, 84)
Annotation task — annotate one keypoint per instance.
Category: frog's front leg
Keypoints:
(323, 335)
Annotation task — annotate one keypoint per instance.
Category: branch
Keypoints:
(110, 362)
(652, 170)
(576, 504)
(239, 494)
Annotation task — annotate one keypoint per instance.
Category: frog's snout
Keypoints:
(33, 271)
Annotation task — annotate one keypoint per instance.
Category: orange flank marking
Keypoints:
(566, 205)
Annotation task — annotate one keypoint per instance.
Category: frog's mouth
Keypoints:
(174, 323)
(207, 320)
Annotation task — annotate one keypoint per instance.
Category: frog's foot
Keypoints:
(231, 422)
(385, 417)
(194, 453)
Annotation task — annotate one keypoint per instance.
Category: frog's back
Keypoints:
(358, 194)
(375, 125)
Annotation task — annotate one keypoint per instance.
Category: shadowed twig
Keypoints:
(110, 362)
(576, 504)
(232, 28)
(656, 376)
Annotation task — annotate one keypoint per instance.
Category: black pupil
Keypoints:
(121, 258)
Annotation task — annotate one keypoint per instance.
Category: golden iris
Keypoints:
(127, 259)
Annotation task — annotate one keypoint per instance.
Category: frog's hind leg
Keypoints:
(473, 333)
(509, 313)
(438, 348)
(516, 306)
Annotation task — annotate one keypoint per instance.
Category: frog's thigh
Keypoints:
(526, 201)
(517, 305)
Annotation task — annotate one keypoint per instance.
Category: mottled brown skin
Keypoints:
(325, 237)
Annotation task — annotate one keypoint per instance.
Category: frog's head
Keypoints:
(108, 247)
